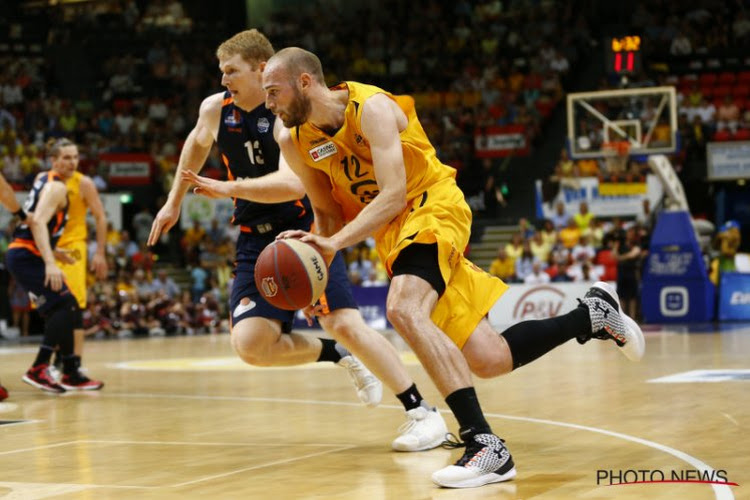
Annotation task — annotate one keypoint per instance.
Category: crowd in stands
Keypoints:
(469, 65)
(128, 77)
(578, 248)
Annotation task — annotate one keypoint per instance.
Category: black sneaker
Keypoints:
(77, 381)
(39, 377)
(486, 460)
(608, 322)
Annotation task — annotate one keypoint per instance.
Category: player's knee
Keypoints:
(251, 346)
(65, 316)
(485, 368)
(403, 314)
(342, 327)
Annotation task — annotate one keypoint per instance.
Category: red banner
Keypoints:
(128, 169)
(494, 142)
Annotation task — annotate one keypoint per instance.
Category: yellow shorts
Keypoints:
(441, 215)
(75, 273)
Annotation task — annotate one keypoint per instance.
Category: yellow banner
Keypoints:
(621, 188)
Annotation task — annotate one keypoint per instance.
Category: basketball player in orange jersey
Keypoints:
(31, 260)
(9, 201)
(82, 195)
(269, 198)
(370, 169)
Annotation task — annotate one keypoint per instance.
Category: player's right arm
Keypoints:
(51, 199)
(8, 197)
(192, 157)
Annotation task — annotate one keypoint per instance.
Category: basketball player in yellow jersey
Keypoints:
(82, 196)
(369, 168)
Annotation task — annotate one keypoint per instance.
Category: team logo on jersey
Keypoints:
(233, 118)
(263, 124)
(323, 151)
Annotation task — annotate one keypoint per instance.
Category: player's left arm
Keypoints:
(379, 123)
(94, 203)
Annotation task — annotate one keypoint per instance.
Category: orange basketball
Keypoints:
(291, 274)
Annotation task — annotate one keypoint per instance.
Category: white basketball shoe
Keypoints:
(608, 322)
(423, 430)
(369, 388)
(486, 460)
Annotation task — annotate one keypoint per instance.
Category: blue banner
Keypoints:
(734, 296)
(676, 287)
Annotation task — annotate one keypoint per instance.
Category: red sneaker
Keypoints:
(39, 377)
(3, 393)
(77, 381)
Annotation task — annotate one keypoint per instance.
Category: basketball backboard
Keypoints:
(645, 118)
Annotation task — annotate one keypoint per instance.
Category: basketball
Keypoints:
(291, 274)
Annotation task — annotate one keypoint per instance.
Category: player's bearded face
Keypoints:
(299, 110)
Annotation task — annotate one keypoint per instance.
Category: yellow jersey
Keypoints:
(346, 158)
(75, 229)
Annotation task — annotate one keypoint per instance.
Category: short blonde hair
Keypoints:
(252, 45)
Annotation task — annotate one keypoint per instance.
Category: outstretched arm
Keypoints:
(276, 187)
(192, 157)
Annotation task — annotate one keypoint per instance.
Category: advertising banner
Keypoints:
(625, 200)
(523, 302)
(495, 142)
(204, 210)
(128, 169)
(734, 296)
(728, 160)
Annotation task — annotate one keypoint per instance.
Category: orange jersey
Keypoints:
(347, 160)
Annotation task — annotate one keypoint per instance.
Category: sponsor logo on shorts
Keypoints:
(269, 287)
(242, 308)
(323, 151)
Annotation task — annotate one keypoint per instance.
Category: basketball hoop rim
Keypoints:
(617, 148)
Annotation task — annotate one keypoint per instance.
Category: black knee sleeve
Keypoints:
(60, 323)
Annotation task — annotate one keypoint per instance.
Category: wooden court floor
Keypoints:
(184, 418)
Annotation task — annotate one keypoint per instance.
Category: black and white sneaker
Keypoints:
(486, 460)
(608, 322)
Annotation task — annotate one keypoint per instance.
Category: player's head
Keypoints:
(288, 79)
(63, 154)
(241, 61)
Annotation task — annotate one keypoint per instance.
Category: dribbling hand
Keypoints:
(323, 244)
